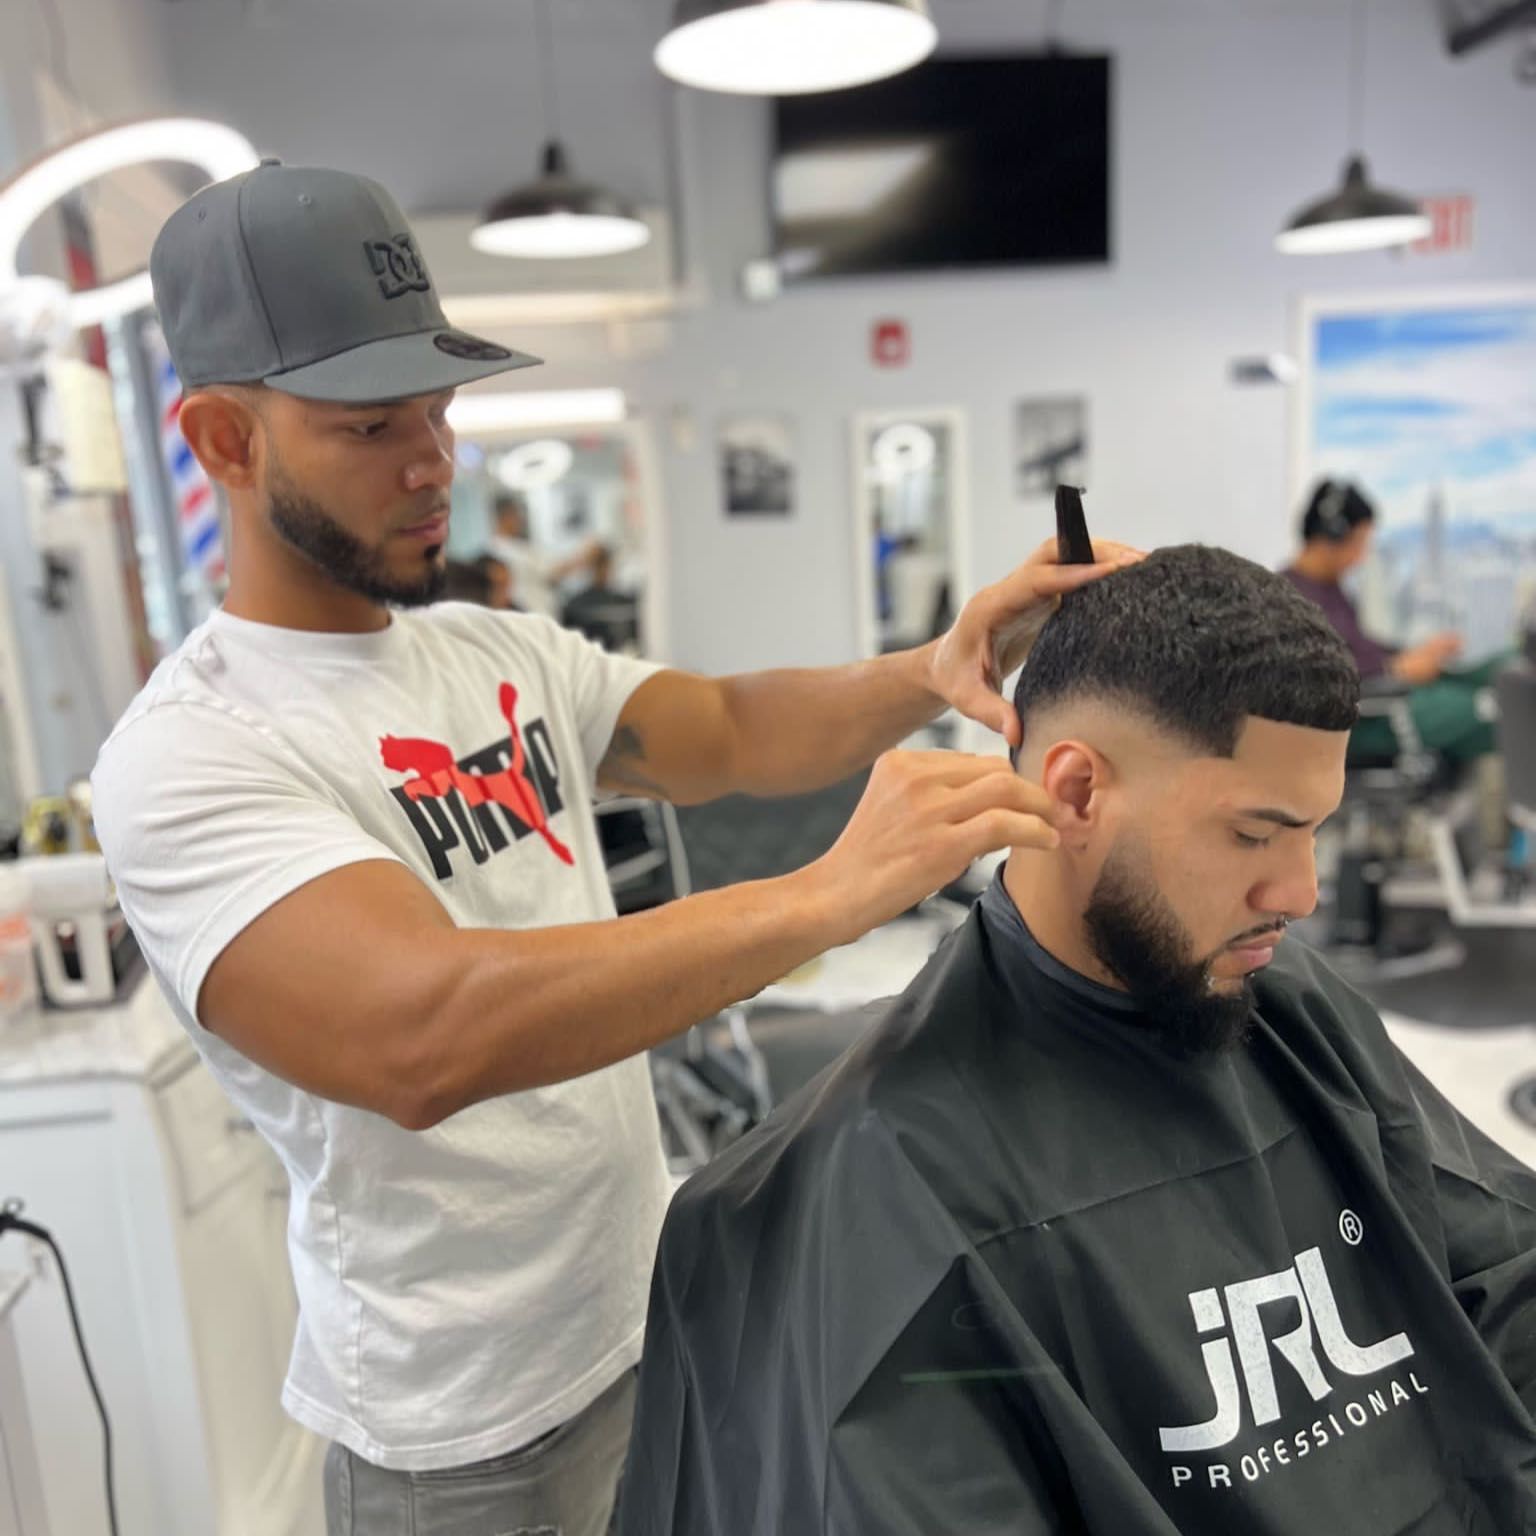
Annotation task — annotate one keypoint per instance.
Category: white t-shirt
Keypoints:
(465, 1289)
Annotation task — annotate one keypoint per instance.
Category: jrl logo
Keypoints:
(1306, 1284)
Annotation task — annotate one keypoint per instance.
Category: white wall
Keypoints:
(441, 100)
(1228, 117)
(1230, 113)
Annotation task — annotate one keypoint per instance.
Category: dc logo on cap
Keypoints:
(470, 348)
(397, 267)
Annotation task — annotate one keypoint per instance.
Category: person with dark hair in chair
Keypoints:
(465, 582)
(600, 611)
(499, 580)
(485, 581)
(1336, 530)
(1126, 1218)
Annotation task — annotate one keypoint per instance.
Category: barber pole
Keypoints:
(197, 508)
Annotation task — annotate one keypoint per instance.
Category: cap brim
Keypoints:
(400, 367)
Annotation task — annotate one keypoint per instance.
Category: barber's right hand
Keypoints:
(924, 817)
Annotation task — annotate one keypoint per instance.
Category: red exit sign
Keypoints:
(1450, 224)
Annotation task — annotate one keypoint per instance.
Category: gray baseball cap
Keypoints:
(309, 281)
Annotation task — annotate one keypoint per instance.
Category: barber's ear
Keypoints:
(221, 430)
(1075, 776)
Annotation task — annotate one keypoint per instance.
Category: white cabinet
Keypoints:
(170, 1213)
(21, 1485)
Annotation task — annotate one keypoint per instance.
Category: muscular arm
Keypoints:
(396, 1009)
(689, 739)
(359, 987)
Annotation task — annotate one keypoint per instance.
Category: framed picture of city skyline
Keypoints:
(1428, 403)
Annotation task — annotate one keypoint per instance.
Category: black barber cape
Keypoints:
(1011, 1267)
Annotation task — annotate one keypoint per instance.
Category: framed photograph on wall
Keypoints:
(757, 466)
(1427, 401)
(1050, 445)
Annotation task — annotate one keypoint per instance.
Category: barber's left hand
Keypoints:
(998, 626)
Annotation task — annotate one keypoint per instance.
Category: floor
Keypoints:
(1471, 1030)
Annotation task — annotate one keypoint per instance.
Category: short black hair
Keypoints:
(1334, 510)
(1196, 639)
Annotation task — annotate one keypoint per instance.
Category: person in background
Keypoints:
(537, 575)
(352, 830)
(601, 612)
(1336, 531)
(502, 589)
(465, 582)
(485, 580)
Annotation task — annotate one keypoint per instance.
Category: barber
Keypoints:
(353, 834)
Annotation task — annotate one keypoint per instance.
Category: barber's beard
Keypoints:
(1139, 937)
(303, 524)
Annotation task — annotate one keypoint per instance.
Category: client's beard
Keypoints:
(306, 526)
(1139, 937)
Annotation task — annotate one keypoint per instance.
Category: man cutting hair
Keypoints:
(354, 837)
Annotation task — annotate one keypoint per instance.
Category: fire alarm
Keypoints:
(891, 344)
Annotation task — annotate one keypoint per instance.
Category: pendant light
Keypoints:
(1358, 216)
(557, 216)
(791, 47)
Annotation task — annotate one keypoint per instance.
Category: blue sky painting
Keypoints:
(1432, 411)
(1407, 400)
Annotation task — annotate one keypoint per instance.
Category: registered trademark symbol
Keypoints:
(1351, 1229)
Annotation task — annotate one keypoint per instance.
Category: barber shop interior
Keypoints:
(768, 767)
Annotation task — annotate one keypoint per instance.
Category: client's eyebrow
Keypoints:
(1268, 813)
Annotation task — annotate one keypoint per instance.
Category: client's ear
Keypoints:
(1075, 776)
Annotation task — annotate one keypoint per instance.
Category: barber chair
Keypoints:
(1381, 793)
(612, 619)
(643, 851)
(1515, 688)
(711, 1086)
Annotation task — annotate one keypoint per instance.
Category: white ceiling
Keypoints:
(441, 99)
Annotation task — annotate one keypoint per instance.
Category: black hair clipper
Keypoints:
(1073, 546)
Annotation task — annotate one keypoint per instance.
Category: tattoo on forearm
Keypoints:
(619, 770)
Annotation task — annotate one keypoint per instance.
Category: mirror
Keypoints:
(910, 526)
(562, 522)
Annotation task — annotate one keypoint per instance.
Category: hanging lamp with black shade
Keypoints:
(1358, 215)
(791, 47)
(557, 216)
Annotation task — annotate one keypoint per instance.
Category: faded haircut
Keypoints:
(1196, 640)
